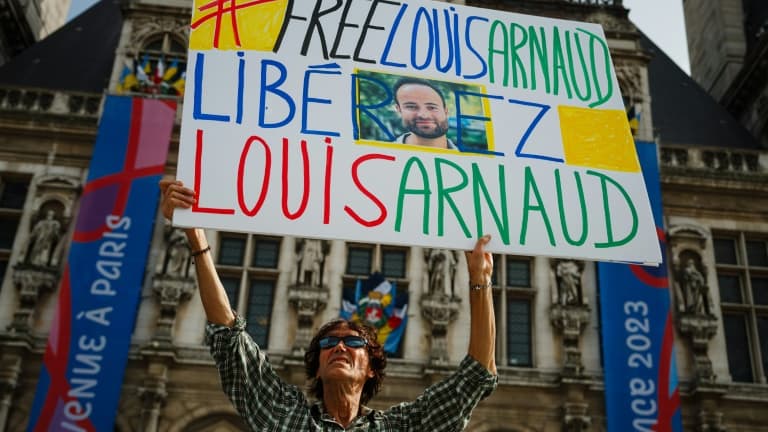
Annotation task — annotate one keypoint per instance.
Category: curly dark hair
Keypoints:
(376, 358)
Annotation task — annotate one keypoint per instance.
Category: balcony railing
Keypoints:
(596, 2)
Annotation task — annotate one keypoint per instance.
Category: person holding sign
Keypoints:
(344, 360)
(422, 110)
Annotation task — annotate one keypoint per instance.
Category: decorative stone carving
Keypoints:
(173, 284)
(570, 320)
(439, 304)
(308, 295)
(310, 261)
(147, 27)
(691, 284)
(696, 320)
(439, 312)
(42, 248)
(32, 283)
(568, 282)
(630, 81)
(441, 268)
(710, 421)
(569, 312)
(575, 417)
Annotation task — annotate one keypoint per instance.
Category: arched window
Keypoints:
(159, 69)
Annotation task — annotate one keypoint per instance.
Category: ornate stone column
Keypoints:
(153, 395)
(10, 369)
(439, 304)
(173, 284)
(308, 294)
(569, 313)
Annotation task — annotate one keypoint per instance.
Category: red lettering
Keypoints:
(305, 172)
(356, 179)
(198, 179)
(264, 181)
(327, 189)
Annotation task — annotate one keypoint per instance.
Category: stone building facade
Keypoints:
(728, 42)
(713, 176)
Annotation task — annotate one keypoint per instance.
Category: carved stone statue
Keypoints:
(441, 266)
(43, 241)
(310, 259)
(568, 275)
(695, 289)
(177, 255)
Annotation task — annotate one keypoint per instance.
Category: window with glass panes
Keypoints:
(364, 259)
(513, 295)
(248, 268)
(13, 193)
(742, 279)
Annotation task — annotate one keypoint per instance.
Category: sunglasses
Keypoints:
(349, 341)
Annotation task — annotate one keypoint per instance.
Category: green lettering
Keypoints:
(478, 186)
(558, 65)
(515, 59)
(492, 51)
(588, 92)
(607, 59)
(604, 180)
(444, 196)
(530, 186)
(539, 49)
(561, 207)
(404, 190)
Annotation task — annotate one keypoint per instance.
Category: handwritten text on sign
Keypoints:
(415, 123)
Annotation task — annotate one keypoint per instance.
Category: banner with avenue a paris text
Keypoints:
(87, 350)
(641, 386)
(411, 122)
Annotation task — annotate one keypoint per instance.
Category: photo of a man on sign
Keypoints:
(421, 112)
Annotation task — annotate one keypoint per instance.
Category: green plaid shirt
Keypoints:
(267, 403)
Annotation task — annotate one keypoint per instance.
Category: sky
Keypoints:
(660, 20)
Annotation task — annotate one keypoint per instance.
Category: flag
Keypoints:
(142, 72)
(159, 71)
(172, 70)
(180, 83)
(633, 115)
(87, 350)
(629, 294)
(376, 302)
(127, 78)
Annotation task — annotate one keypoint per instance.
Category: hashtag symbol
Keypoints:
(220, 9)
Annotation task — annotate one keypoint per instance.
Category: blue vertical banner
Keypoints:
(641, 386)
(87, 351)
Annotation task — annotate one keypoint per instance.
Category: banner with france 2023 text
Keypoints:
(291, 126)
(84, 362)
(641, 386)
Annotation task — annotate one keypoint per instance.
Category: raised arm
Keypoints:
(217, 309)
(482, 335)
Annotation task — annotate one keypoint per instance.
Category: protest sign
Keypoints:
(414, 123)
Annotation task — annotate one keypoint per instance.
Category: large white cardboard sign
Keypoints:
(413, 123)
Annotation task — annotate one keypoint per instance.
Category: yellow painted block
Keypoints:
(597, 138)
(253, 25)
